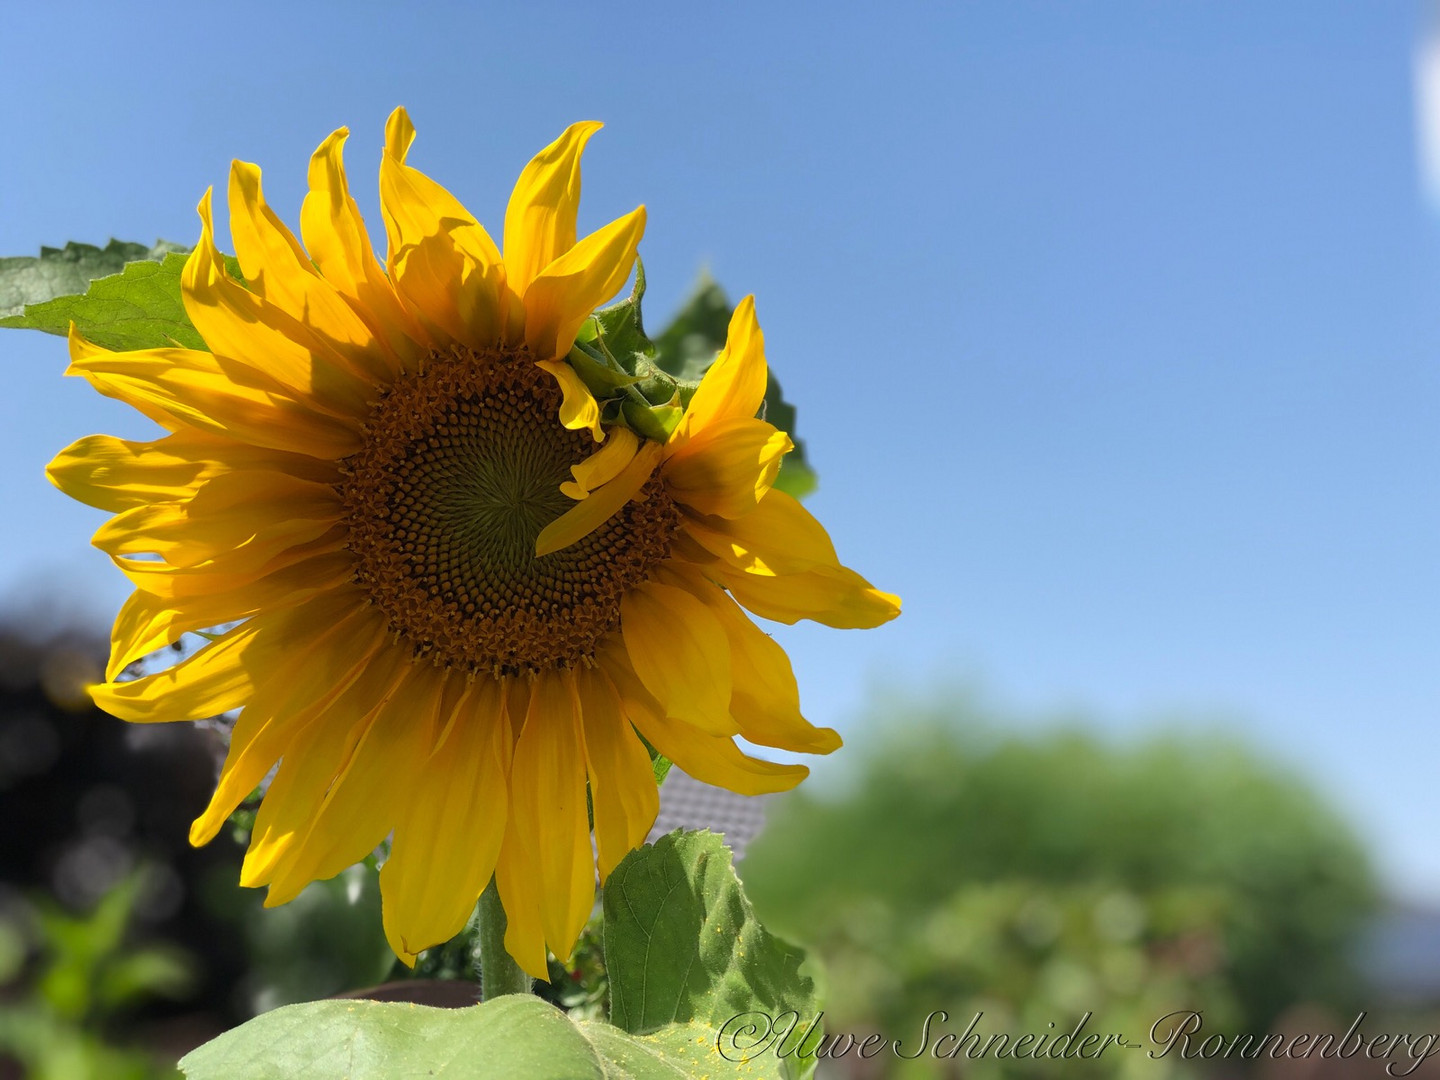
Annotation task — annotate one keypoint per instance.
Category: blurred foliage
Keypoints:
(325, 941)
(101, 894)
(1039, 877)
(69, 978)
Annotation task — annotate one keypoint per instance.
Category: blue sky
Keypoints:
(1115, 329)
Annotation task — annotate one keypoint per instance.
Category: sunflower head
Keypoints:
(451, 597)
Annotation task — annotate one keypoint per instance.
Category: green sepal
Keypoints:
(601, 378)
(620, 327)
(654, 422)
(647, 384)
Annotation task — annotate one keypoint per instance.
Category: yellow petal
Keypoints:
(116, 474)
(578, 409)
(600, 505)
(563, 295)
(448, 836)
(834, 596)
(444, 265)
(727, 468)
(278, 270)
(363, 801)
(708, 758)
(733, 387)
(603, 465)
(321, 560)
(331, 646)
(315, 758)
(680, 653)
(547, 785)
(339, 243)
(248, 333)
(765, 701)
(261, 513)
(201, 390)
(148, 621)
(623, 793)
(778, 537)
(218, 677)
(540, 220)
(519, 885)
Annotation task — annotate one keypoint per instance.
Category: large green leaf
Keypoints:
(682, 943)
(517, 1036)
(29, 279)
(136, 308)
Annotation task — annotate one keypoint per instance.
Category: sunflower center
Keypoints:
(461, 469)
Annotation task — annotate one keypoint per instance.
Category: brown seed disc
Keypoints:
(461, 469)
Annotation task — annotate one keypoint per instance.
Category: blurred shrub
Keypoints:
(1040, 877)
(83, 975)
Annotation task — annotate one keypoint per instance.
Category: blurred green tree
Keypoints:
(1056, 871)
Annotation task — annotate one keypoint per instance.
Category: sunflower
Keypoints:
(445, 597)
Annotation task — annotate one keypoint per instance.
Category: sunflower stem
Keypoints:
(499, 974)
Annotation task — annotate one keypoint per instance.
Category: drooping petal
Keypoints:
(333, 641)
(680, 653)
(518, 881)
(727, 468)
(216, 678)
(547, 784)
(540, 220)
(563, 295)
(600, 505)
(578, 408)
(623, 793)
(765, 701)
(151, 620)
(834, 596)
(374, 780)
(448, 835)
(603, 465)
(778, 537)
(444, 265)
(733, 387)
(310, 765)
(708, 758)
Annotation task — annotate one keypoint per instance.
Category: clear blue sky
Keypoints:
(1115, 328)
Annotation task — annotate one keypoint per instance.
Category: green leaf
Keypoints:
(687, 347)
(138, 308)
(513, 1036)
(26, 280)
(682, 943)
